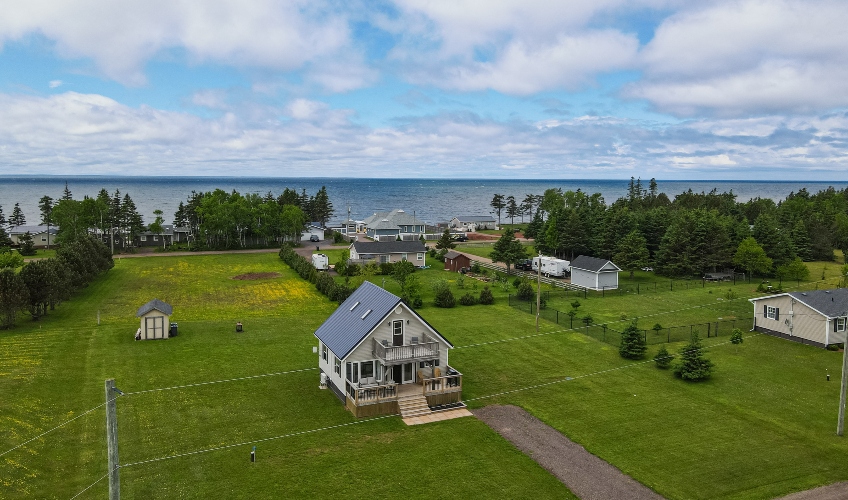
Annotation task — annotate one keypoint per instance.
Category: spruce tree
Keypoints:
(17, 218)
(663, 358)
(66, 193)
(693, 365)
(633, 344)
(498, 205)
(446, 241)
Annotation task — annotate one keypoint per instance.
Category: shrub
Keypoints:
(525, 290)
(468, 299)
(444, 297)
(486, 297)
(460, 282)
(475, 267)
(588, 320)
(386, 268)
(517, 282)
(663, 358)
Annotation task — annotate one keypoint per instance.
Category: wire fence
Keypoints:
(610, 335)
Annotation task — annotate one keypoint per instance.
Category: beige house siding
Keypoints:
(796, 319)
(151, 334)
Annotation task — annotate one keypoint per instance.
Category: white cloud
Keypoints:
(748, 57)
(55, 84)
(122, 36)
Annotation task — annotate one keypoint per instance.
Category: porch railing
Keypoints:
(451, 382)
(428, 349)
(374, 394)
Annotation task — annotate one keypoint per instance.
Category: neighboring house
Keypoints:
(151, 239)
(155, 320)
(594, 273)
(455, 261)
(380, 357)
(313, 228)
(473, 222)
(41, 237)
(388, 251)
(395, 223)
(817, 317)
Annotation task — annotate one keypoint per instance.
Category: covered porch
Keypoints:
(381, 398)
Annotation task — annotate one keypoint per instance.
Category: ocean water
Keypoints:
(432, 200)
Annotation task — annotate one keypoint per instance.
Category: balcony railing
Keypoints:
(373, 394)
(452, 382)
(394, 354)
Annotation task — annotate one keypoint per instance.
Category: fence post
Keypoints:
(605, 333)
(646, 336)
(557, 315)
(669, 336)
(637, 288)
(672, 285)
(691, 329)
(708, 329)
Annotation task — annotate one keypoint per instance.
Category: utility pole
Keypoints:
(538, 290)
(112, 439)
(840, 426)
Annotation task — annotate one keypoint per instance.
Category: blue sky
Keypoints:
(669, 89)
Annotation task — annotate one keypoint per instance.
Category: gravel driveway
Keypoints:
(586, 475)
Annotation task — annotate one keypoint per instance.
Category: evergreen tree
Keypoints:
(527, 206)
(157, 225)
(27, 247)
(663, 358)
(508, 250)
(443, 295)
(17, 218)
(801, 241)
(486, 297)
(632, 252)
(322, 207)
(45, 205)
(14, 296)
(693, 366)
(774, 240)
(445, 241)
(633, 345)
(66, 193)
(131, 221)
(532, 230)
(288, 197)
(498, 205)
(512, 209)
(2, 218)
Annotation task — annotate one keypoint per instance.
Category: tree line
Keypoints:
(42, 284)
(215, 219)
(693, 233)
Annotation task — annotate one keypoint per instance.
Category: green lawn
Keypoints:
(53, 370)
(484, 249)
(763, 426)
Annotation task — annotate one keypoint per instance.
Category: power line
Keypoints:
(66, 422)
(90, 485)
(226, 446)
(219, 381)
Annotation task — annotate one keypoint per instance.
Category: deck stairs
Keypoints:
(413, 405)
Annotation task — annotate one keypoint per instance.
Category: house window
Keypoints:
(155, 238)
(420, 256)
(397, 333)
(352, 371)
(338, 366)
(366, 369)
(43, 238)
(143, 237)
(384, 258)
(403, 256)
(324, 352)
(840, 324)
(772, 312)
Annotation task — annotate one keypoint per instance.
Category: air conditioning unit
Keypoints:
(323, 384)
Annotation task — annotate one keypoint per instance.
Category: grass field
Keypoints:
(763, 426)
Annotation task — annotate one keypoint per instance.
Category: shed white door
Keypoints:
(154, 328)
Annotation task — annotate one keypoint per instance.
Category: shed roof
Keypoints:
(830, 303)
(157, 305)
(452, 254)
(355, 318)
(593, 264)
(384, 247)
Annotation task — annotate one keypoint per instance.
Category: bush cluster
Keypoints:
(323, 282)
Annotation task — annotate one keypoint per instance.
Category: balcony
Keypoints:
(415, 351)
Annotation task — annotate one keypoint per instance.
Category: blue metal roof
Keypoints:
(352, 321)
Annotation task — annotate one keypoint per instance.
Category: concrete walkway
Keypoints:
(835, 491)
(586, 475)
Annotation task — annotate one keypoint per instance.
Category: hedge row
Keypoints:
(325, 283)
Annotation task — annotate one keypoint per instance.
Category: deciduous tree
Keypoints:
(508, 250)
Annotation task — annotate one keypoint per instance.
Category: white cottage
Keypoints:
(594, 273)
(816, 317)
(380, 357)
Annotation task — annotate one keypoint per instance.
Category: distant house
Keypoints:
(155, 320)
(380, 357)
(473, 222)
(396, 223)
(594, 273)
(41, 236)
(151, 239)
(388, 251)
(455, 261)
(817, 317)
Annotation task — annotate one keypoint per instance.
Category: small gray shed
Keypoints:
(594, 273)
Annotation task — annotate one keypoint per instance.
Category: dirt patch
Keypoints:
(481, 236)
(256, 276)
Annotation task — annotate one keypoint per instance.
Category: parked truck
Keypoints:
(551, 266)
(320, 261)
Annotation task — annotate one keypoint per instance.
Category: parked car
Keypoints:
(461, 237)
(524, 265)
(314, 237)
